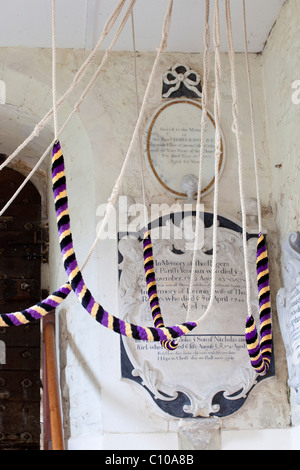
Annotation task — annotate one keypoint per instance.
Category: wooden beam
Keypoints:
(52, 386)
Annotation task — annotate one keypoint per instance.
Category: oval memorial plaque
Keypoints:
(172, 146)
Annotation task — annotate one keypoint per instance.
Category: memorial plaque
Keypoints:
(172, 146)
(209, 374)
(288, 306)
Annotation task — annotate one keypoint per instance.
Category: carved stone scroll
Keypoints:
(288, 306)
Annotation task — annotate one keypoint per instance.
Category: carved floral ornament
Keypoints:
(180, 80)
(173, 135)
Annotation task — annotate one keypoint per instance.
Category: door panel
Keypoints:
(20, 265)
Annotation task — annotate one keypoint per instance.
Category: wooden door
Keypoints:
(20, 266)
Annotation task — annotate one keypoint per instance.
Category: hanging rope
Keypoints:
(252, 121)
(80, 74)
(259, 349)
(116, 189)
(218, 149)
(260, 346)
(54, 300)
(75, 276)
(87, 90)
(206, 70)
(152, 289)
(76, 281)
(138, 112)
(147, 243)
(77, 79)
(70, 263)
(54, 70)
(37, 311)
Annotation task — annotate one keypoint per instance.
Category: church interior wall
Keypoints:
(101, 410)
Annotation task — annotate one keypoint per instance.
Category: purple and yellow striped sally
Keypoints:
(36, 312)
(76, 280)
(260, 348)
(152, 289)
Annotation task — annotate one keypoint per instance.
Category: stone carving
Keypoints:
(201, 434)
(209, 374)
(288, 306)
(179, 81)
(190, 186)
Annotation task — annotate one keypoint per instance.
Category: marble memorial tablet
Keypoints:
(172, 146)
(209, 374)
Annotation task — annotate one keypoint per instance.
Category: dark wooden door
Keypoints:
(20, 267)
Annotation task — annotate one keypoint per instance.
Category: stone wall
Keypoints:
(101, 410)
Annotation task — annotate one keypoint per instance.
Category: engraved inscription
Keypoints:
(173, 145)
(213, 358)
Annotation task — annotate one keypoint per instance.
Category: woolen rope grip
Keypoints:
(37, 311)
(260, 349)
(152, 289)
(76, 280)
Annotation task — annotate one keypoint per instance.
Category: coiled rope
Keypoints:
(258, 346)
(76, 280)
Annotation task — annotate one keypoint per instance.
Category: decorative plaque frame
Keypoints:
(209, 374)
(172, 146)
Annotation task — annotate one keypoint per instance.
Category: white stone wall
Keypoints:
(101, 410)
(281, 67)
(259, 409)
(281, 72)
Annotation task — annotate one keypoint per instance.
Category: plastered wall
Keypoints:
(281, 67)
(281, 70)
(140, 416)
(100, 410)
